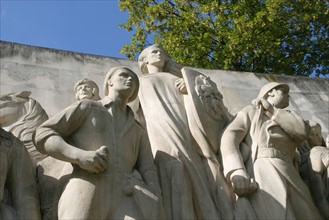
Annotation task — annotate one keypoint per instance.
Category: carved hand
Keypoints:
(94, 161)
(180, 85)
(267, 106)
(242, 184)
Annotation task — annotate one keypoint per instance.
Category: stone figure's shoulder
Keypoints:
(81, 108)
(86, 104)
(319, 150)
(249, 111)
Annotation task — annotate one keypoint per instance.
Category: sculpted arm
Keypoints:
(230, 142)
(58, 148)
(50, 139)
(289, 121)
(234, 169)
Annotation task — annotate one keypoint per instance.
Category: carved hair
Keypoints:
(93, 85)
(170, 66)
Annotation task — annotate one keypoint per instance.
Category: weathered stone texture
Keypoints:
(51, 74)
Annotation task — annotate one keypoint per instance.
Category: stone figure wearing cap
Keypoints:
(86, 89)
(114, 176)
(259, 145)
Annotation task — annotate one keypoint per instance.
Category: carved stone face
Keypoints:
(315, 137)
(123, 81)
(84, 91)
(156, 57)
(279, 98)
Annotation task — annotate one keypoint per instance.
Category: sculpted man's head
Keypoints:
(122, 80)
(276, 94)
(86, 89)
(315, 136)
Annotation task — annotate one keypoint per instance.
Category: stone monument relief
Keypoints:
(161, 141)
(266, 172)
(113, 176)
(21, 115)
(189, 172)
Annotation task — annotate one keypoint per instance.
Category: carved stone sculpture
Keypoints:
(268, 136)
(21, 115)
(52, 174)
(113, 176)
(18, 192)
(318, 168)
(314, 170)
(86, 89)
(188, 181)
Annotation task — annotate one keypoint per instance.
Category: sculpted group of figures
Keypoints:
(176, 154)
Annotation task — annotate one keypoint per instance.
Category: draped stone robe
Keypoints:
(186, 195)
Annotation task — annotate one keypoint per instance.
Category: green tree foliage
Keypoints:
(266, 36)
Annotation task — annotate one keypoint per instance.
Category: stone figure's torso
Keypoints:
(164, 111)
(88, 125)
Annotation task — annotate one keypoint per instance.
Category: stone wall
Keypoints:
(50, 75)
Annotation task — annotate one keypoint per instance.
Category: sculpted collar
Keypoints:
(107, 101)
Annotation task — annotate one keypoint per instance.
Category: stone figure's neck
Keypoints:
(154, 69)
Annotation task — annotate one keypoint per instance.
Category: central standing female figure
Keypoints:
(186, 193)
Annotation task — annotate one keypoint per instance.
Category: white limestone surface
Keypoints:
(51, 74)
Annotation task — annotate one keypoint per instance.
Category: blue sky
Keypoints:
(87, 26)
